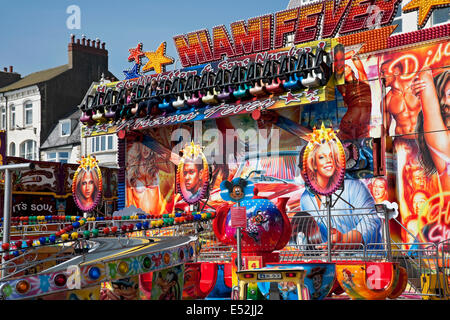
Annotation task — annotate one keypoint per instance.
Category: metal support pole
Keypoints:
(329, 244)
(238, 244)
(7, 197)
(7, 208)
(387, 235)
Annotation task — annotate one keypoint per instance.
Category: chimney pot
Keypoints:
(11, 69)
(98, 43)
(83, 41)
(103, 45)
(5, 69)
(72, 38)
(88, 42)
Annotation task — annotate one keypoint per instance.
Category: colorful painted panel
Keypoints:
(121, 289)
(323, 162)
(149, 175)
(168, 284)
(88, 184)
(192, 174)
(416, 109)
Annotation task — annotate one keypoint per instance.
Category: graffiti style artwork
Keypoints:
(87, 186)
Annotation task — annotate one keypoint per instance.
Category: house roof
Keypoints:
(55, 140)
(36, 77)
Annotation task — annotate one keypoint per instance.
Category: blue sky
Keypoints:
(34, 35)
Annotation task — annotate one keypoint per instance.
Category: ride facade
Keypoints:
(307, 146)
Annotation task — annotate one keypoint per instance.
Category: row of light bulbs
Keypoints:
(255, 81)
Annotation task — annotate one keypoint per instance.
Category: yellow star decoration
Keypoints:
(88, 162)
(425, 8)
(157, 60)
(322, 135)
(192, 150)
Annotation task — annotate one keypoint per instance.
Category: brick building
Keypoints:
(32, 106)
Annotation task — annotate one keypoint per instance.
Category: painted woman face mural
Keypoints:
(379, 189)
(87, 185)
(323, 162)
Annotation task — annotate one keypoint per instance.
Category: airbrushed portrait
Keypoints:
(324, 166)
(87, 188)
(193, 177)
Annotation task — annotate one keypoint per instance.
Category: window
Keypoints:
(3, 118)
(13, 117)
(61, 156)
(28, 112)
(12, 149)
(28, 150)
(110, 142)
(440, 16)
(51, 156)
(102, 143)
(65, 128)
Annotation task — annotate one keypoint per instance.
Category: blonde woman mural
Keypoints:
(87, 184)
(379, 189)
(323, 167)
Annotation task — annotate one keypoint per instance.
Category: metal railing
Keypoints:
(427, 264)
(33, 260)
(36, 259)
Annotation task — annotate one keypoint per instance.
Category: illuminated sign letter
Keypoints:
(194, 48)
(285, 22)
(255, 36)
(221, 43)
(389, 9)
(309, 23)
(356, 18)
(333, 17)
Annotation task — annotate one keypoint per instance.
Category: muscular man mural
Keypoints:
(400, 103)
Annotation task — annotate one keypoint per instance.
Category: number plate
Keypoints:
(267, 276)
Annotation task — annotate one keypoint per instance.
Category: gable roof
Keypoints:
(55, 140)
(36, 77)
